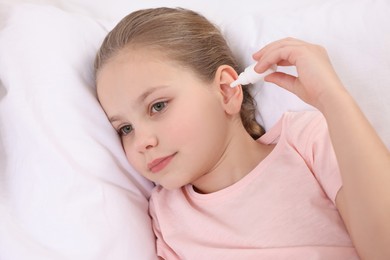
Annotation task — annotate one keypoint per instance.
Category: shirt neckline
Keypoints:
(268, 138)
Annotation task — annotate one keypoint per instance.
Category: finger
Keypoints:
(276, 44)
(284, 63)
(286, 55)
(279, 53)
(267, 47)
(283, 80)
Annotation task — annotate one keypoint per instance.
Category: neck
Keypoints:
(241, 156)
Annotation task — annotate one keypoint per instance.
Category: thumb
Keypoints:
(283, 80)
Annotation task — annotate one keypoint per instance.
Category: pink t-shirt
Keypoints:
(282, 209)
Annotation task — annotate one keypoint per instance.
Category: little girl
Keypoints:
(316, 186)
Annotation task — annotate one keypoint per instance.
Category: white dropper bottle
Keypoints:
(250, 76)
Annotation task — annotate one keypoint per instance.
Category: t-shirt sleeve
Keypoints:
(163, 250)
(317, 150)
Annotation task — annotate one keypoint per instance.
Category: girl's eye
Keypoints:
(125, 130)
(158, 107)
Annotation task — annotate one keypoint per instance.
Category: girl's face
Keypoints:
(173, 126)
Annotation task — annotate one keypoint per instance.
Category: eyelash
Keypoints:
(153, 107)
(121, 130)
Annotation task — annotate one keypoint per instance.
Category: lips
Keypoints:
(160, 163)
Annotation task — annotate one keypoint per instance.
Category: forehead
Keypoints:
(131, 73)
(140, 63)
(135, 59)
(130, 66)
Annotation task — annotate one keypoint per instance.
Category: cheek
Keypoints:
(198, 125)
(185, 124)
(132, 157)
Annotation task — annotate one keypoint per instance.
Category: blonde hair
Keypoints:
(185, 37)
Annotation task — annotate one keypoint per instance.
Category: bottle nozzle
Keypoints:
(249, 75)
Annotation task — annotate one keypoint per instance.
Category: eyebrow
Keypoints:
(148, 92)
(140, 99)
(113, 119)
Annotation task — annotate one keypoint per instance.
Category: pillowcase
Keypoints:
(67, 189)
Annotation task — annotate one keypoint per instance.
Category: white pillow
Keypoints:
(66, 189)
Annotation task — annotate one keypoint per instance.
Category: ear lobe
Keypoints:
(231, 97)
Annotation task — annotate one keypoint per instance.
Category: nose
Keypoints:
(145, 140)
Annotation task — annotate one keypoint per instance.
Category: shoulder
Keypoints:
(157, 193)
(161, 196)
(158, 200)
(306, 129)
(164, 204)
(304, 126)
(296, 125)
(308, 133)
(303, 119)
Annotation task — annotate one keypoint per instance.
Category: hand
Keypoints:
(317, 81)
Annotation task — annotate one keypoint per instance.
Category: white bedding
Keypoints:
(66, 189)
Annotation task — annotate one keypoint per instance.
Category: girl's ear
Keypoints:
(231, 97)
